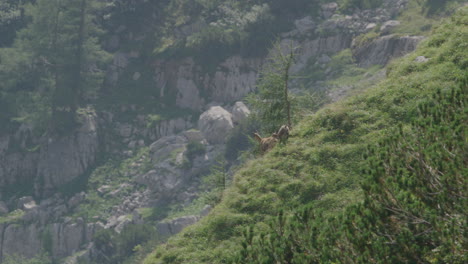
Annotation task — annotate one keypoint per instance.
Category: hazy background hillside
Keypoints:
(123, 122)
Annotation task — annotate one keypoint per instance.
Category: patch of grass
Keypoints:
(418, 19)
(363, 39)
(12, 217)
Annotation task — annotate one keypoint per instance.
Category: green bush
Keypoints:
(15, 259)
(115, 247)
(238, 139)
(349, 5)
(413, 209)
(194, 149)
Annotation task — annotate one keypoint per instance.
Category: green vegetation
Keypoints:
(116, 247)
(414, 201)
(46, 75)
(14, 259)
(350, 5)
(215, 183)
(271, 104)
(194, 149)
(112, 177)
(12, 217)
(419, 17)
(322, 167)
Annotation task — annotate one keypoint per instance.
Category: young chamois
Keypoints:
(283, 133)
(266, 143)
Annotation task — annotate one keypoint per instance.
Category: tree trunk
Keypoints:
(286, 79)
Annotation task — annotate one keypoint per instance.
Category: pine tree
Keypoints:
(59, 57)
(272, 102)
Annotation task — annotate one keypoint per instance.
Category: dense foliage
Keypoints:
(414, 205)
(115, 247)
(271, 104)
(53, 67)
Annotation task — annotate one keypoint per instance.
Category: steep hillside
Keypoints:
(321, 165)
(122, 122)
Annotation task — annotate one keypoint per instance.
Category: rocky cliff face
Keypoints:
(383, 49)
(46, 163)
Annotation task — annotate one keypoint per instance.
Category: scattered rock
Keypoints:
(421, 59)
(164, 229)
(136, 76)
(206, 210)
(103, 189)
(388, 26)
(381, 50)
(193, 135)
(26, 203)
(174, 226)
(76, 199)
(370, 26)
(122, 221)
(324, 58)
(132, 144)
(124, 130)
(215, 124)
(305, 24)
(329, 9)
(3, 208)
(163, 147)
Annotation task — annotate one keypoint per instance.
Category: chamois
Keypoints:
(283, 133)
(266, 143)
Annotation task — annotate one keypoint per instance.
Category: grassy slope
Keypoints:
(321, 163)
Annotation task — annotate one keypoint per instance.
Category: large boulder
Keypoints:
(215, 124)
(239, 112)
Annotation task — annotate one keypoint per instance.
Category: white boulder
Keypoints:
(239, 112)
(215, 124)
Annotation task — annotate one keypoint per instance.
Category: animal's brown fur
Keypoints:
(266, 143)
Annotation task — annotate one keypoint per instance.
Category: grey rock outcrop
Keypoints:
(327, 10)
(383, 49)
(63, 239)
(3, 208)
(48, 162)
(174, 226)
(17, 166)
(206, 210)
(235, 78)
(387, 27)
(421, 59)
(22, 240)
(215, 124)
(62, 160)
(26, 203)
(305, 25)
(232, 80)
